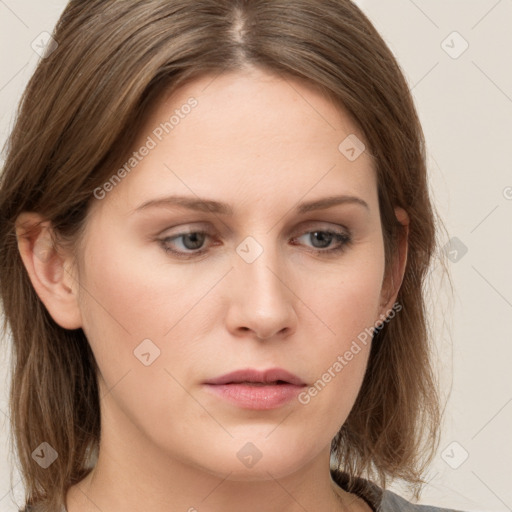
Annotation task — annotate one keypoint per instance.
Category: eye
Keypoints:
(191, 241)
(322, 240)
(191, 244)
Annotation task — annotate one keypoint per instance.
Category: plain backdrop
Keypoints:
(456, 55)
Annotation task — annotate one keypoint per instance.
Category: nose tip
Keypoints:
(260, 302)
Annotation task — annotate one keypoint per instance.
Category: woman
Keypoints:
(216, 226)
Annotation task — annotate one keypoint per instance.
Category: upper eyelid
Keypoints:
(304, 226)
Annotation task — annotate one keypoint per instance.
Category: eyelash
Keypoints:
(343, 239)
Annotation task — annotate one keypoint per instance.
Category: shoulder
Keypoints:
(391, 502)
(378, 499)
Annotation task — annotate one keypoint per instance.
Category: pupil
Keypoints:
(323, 236)
(196, 238)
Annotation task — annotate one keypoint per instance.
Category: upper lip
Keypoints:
(262, 376)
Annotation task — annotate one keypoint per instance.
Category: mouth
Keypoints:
(249, 376)
(248, 383)
(256, 390)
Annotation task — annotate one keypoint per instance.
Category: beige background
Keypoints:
(465, 103)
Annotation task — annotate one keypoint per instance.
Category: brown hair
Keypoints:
(114, 60)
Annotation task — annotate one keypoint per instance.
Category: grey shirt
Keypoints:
(378, 499)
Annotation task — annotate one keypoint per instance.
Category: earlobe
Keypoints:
(49, 269)
(397, 271)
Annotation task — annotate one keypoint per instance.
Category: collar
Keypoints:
(366, 490)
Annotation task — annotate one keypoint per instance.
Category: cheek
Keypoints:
(118, 305)
(347, 305)
(128, 297)
(131, 311)
(129, 289)
(347, 298)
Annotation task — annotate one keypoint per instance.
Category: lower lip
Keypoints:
(256, 397)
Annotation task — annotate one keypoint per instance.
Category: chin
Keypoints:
(249, 462)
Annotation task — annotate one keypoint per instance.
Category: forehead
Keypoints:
(246, 134)
(254, 106)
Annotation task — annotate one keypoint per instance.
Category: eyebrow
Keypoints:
(208, 205)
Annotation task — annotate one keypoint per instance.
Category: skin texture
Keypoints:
(262, 144)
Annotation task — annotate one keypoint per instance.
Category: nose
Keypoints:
(261, 298)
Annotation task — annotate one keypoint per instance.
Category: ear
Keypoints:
(50, 269)
(395, 276)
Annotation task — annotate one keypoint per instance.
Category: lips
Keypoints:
(256, 390)
(250, 376)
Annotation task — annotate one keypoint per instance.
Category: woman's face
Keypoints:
(247, 270)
